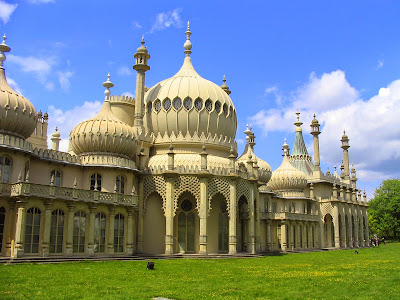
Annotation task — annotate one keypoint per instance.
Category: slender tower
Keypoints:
(315, 133)
(141, 67)
(345, 147)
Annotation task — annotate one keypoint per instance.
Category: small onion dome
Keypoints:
(17, 115)
(225, 87)
(56, 134)
(287, 177)
(143, 48)
(103, 133)
(314, 121)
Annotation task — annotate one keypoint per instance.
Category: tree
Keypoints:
(384, 209)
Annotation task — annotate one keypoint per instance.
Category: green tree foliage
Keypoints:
(384, 209)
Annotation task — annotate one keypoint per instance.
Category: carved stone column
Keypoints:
(304, 239)
(269, 235)
(90, 247)
(232, 215)
(169, 213)
(362, 238)
(290, 233)
(203, 214)
(70, 229)
(20, 229)
(336, 224)
(252, 238)
(257, 218)
(9, 230)
(139, 241)
(129, 240)
(344, 233)
(310, 237)
(283, 235)
(322, 234)
(350, 233)
(111, 221)
(298, 234)
(47, 227)
(356, 231)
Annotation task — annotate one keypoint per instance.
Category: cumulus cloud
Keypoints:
(68, 119)
(372, 125)
(167, 19)
(41, 67)
(6, 10)
(124, 71)
(14, 85)
(63, 79)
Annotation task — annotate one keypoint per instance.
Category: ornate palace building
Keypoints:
(160, 174)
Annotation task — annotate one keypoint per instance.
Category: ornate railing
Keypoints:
(290, 216)
(27, 189)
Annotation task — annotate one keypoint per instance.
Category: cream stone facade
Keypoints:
(160, 174)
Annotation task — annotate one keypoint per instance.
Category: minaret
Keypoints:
(55, 140)
(141, 67)
(345, 147)
(315, 133)
(353, 178)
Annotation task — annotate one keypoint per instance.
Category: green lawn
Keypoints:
(374, 273)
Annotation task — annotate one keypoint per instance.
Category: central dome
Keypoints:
(191, 107)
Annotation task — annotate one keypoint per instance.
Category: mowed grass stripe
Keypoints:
(374, 273)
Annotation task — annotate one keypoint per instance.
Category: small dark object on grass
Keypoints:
(150, 265)
(356, 252)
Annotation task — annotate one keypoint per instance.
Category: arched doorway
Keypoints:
(218, 225)
(242, 224)
(329, 231)
(186, 227)
(154, 226)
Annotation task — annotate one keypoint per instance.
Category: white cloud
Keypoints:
(275, 91)
(6, 10)
(380, 64)
(40, 1)
(373, 126)
(14, 85)
(136, 25)
(63, 79)
(129, 94)
(124, 71)
(67, 120)
(38, 66)
(167, 19)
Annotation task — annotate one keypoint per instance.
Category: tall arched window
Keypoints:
(57, 231)
(186, 220)
(100, 233)
(57, 177)
(5, 169)
(79, 232)
(95, 178)
(223, 229)
(2, 222)
(120, 184)
(119, 233)
(26, 170)
(32, 230)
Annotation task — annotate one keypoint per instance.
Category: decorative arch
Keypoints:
(153, 184)
(242, 189)
(189, 184)
(218, 185)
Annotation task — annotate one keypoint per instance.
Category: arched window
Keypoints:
(5, 169)
(120, 184)
(57, 232)
(57, 177)
(95, 178)
(100, 233)
(2, 222)
(119, 233)
(186, 220)
(32, 230)
(79, 232)
(223, 229)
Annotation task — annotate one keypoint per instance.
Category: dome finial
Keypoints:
(188, 44)
(298, 123)
(142, 41)
(285, 148)
(108, 84)
(3, 48)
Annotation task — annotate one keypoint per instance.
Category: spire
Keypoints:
(108, 84)
(188, 44)
(225, 87)
(3, 48)
(285, 148)
(300, 158)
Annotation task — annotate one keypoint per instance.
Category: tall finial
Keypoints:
(108, 84)
(298, 123)
(188, 44)
(142, 41)
(285, 148)
(3, 48)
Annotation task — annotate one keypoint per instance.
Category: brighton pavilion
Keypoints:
(159, 174)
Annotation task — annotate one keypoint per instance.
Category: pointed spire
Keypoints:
(108, 84)
(188, 43)
(3, 48)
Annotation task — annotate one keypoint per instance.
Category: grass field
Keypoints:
(374, 273)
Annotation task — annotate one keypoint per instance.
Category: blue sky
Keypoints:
(338, 59)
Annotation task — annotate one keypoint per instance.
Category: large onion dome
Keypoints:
(264, 169)
(190, 106)
(104, 133)
(286, 178)
(17, 115)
